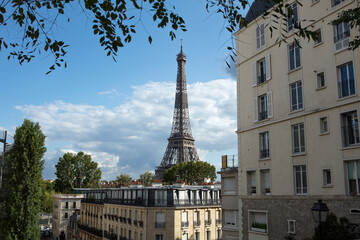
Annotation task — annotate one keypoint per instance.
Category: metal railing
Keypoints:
(207, 221)
(159, 224)
(91, 230)
(197, 223)
(351, 134)
(346, 87)
(261, 79)
(197, 202)
(264, 153)
(341, 36)
(185, 224)
(263, 115)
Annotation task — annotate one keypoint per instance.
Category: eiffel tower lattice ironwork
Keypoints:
(181, 146)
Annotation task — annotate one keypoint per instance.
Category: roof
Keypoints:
(257, 8)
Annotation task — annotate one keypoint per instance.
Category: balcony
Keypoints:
(264, 153)
(110, 236)
(91, 230)
(218, 221)
(129, 221)
(197, 223)
(185, 224)
(263, 115)
(261, 79)
(197, 202)
(159, 224)
(141, 223)
(208, 222)
(135, 222)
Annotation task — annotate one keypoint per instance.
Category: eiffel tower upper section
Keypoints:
(181, 146)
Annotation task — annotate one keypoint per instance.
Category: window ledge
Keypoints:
(261, 84)
(318, 44)
(298, 154)
(347, 97)
(294, 70)
(342, 49)
(260, 233)
(264, 159)
(312, 4)
(297, 110)
(351, 147)
(229, 193)
(324, 133)
(320, 88)
(328, 186)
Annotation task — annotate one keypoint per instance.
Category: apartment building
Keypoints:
(298, 132)
(229, 197)
(151, 213)
(64, 207)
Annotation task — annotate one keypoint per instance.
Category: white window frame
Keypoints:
(230, 218)
(299, 104)
(256, 70)
(356, 176)
(342, 33)
(229, 185)
(323, 129)
(325, 171)
(264, 145)
(265, 187)
(348, 81)
(253, 215)
(301, 149)
(291, 226)
(294, 48)
(251, 182)
(260, 36)
(293, 18)
(355, 135)
(336, 2)
(320, 37)
(303, 189)
(319, 80)
(269, 107)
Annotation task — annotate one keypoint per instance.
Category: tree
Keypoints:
(76, 171)
(146, 178)
(334, 229)
(115, 25)
(123, 179)
(190, 172)
(23, 185)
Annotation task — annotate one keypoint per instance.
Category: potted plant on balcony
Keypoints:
(253, 190)
(156, 183)
(178, 183)
(267, 191)
(259, 227)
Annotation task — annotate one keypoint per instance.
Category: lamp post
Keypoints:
(320, 212)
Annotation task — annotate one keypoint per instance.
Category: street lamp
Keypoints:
(320, 212)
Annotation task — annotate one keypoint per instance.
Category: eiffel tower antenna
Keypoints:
(181, 146)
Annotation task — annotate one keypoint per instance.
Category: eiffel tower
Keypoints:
(181, 146)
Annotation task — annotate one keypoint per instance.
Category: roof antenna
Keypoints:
(181, 46)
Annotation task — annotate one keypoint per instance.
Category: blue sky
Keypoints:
(121, 112)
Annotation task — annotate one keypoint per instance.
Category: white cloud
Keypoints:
(132, 137)
(110, 92)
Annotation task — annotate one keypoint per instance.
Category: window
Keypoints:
(314, 1)
(260, 35)
(218, 234)
(258, 221)
(74, 204)
(291, 226)
(294, 56)
(158, 237)
(66, 215)
(324, 127)
(318, 37)
(300, 180)
(66, 204)
(263, 107)
(265, 182)
(264, 145)
(197, 236)
(184, 219)
(327, 177)
(346, 80)
(160, 198)
(298, 136)
(251, 183)
(229, 185)
(341, 35)
(336, 2)
(261, 70)
(196, 218)
(185, 236)
(207, 217)
(320, 80)
(350, 128)
(230, 218)
(160, 220)
(353, 177)
(292, 16)
(208, 235)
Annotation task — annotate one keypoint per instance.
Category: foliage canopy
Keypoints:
(146, 178)
(23, 185)
(76, 171)
(190, 172)
(123, 179)
(115, 23)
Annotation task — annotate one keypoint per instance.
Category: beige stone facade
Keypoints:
(162, 213)
(298, 134)
(64, 206)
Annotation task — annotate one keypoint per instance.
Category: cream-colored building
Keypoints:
(298, 132)
(64, 206)
(151, 213)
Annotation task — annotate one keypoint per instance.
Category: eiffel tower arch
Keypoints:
(181, 144)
